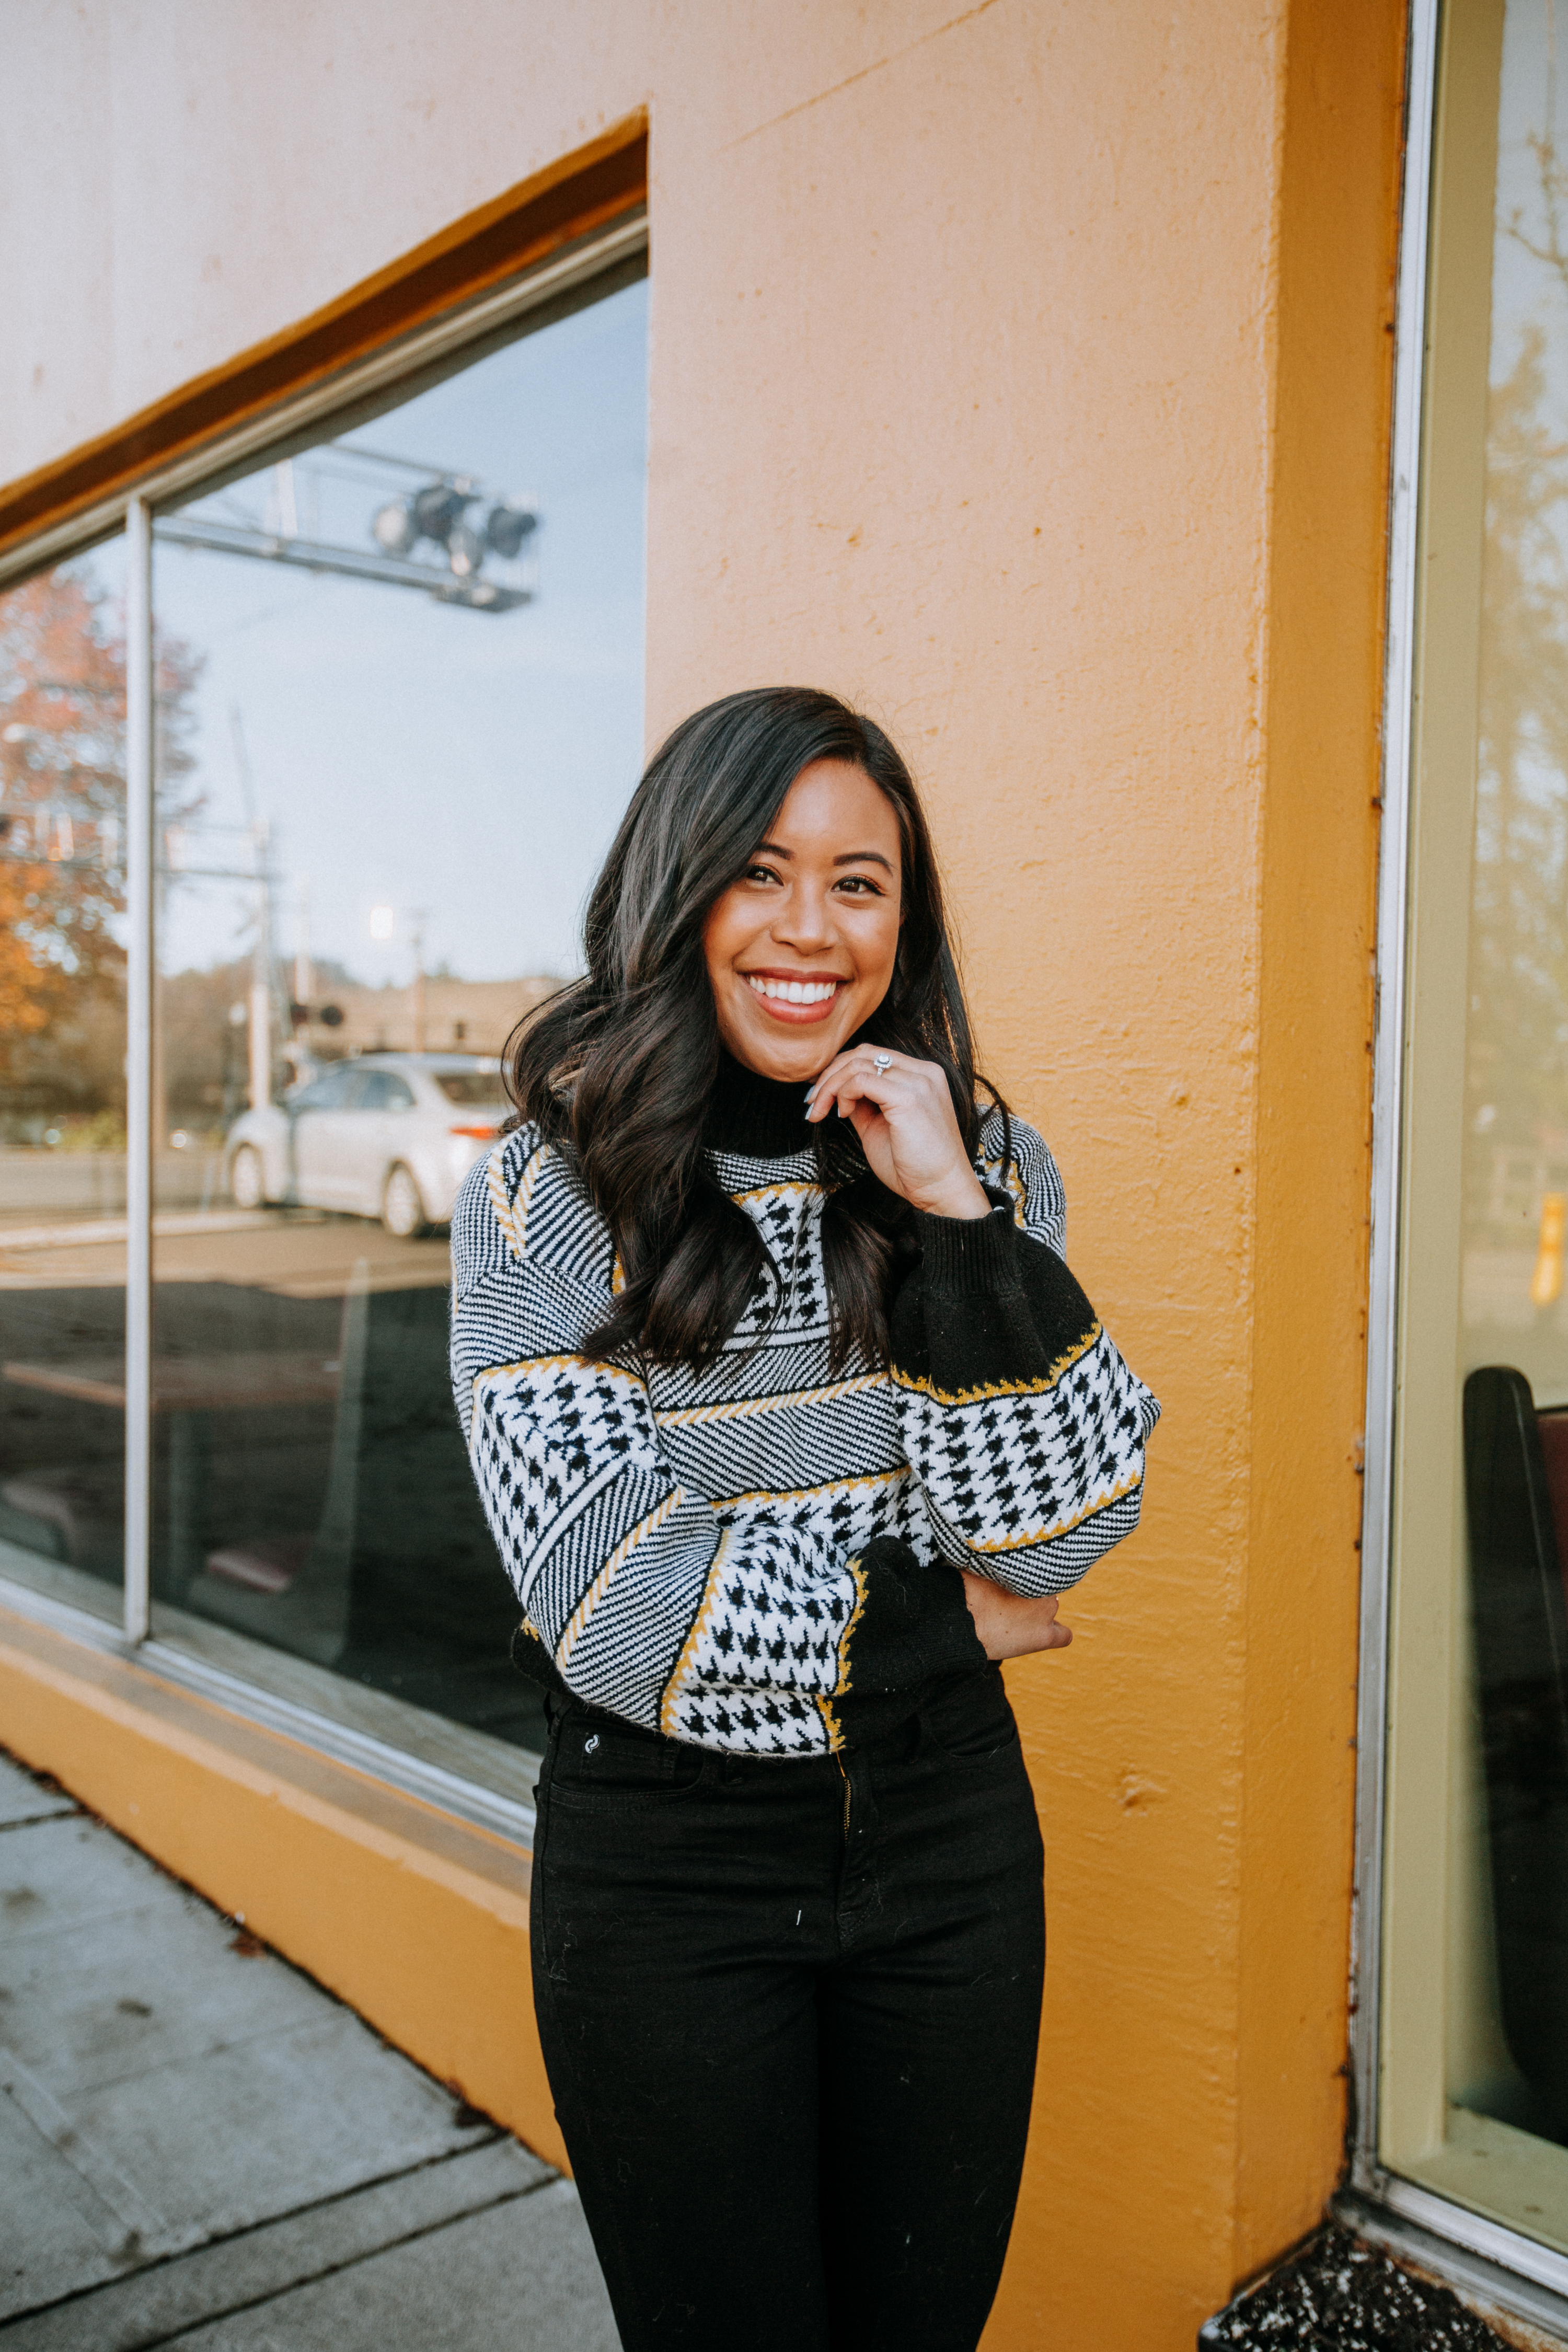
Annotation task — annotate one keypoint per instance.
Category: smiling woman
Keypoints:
(689, 897)
(839, 911)
(827, 916)
(789, 1421)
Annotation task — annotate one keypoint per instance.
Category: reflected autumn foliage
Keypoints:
(62, 837)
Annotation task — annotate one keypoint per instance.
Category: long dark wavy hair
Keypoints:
(618, 1068)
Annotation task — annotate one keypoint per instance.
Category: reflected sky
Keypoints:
(413, 755)
(1533, 104)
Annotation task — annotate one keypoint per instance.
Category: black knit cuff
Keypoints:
(969, 1255)
(914, 1620)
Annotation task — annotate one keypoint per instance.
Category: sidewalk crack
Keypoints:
(347, 2263)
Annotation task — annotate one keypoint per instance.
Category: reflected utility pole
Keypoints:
(383, 926)
(261, 948)
(419, 913)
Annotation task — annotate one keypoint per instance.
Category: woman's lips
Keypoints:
(796, 1003)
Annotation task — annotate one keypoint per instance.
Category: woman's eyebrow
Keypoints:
(850, 856)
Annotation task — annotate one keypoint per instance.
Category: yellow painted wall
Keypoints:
(1020, 370)
(1339, 191)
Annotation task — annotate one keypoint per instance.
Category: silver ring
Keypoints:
(881, 1061)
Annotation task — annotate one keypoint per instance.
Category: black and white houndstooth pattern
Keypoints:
(1020, 1482)
(683, 1543)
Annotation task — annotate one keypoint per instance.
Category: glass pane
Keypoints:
(412, 667)
(62, 1079)
(1498, 2135)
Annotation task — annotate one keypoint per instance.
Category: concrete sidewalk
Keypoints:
(199, 2147)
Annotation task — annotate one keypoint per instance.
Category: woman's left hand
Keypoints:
(1011, 1624)
(903, 1116)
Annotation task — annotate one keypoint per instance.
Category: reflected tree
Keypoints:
(1517, 1063)
(62, 837)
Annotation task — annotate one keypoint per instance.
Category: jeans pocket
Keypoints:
(600, 1765)
(970, 1720)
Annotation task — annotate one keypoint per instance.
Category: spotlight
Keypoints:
(507, 528)
(436, 508)
(394, 528)
(453, 512)
(465, 550)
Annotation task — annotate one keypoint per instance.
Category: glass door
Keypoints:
(1474, 2064)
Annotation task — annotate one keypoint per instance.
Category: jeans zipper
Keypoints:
(845, 1777)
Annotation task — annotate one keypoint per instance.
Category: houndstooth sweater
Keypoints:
(738, 1557)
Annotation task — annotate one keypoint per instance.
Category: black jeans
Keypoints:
(790, 2010)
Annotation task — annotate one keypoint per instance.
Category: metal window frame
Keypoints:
(140, 965)
(1481, 2257)
(623, 241)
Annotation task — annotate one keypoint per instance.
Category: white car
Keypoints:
(386, 1135)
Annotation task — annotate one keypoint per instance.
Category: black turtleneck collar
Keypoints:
(761, 1119)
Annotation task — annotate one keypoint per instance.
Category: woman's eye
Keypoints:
(760, 874)
(861, 885)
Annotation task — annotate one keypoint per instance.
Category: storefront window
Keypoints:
(1475, 2077)
(62, 1080)
(403, 711)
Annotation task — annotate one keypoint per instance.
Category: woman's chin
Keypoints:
(788, 1063)
(785, 1050)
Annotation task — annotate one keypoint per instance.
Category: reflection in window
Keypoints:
(1506, 2062)
(62, 1073)
(414, 714)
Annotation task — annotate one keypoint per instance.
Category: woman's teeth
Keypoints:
(794, 992)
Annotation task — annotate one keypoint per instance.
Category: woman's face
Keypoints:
(800, 950)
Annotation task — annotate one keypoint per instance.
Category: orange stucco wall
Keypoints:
(1020, 370)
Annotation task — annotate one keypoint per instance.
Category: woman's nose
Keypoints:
(804, 920)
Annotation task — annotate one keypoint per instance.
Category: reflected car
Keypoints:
(386, 1135)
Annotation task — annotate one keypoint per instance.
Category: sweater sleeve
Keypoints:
(635, 1596)
(1024, 1425)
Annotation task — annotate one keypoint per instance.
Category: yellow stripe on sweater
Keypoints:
(923, 1386)
(806, 1494)
(1061, 1527)
(601, 1584)
(675, 1687)
(559, 1364)
(511, 1216)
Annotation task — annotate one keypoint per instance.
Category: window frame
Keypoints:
(1478, 2254)
(613, 252)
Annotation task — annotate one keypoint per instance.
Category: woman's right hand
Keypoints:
(1011, 1624)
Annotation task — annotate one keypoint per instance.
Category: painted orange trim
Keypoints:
(578, 193)
(417, 1920)
(1338, 229)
